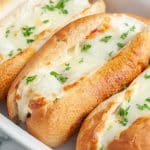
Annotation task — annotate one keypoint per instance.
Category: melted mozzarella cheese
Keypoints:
(84, 59)
(35, 14)
(138, 98)
(6, 6)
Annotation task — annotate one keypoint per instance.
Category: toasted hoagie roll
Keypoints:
(25, 30)
(122, 122)
(74, 71)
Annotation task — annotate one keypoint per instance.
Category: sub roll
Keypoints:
(122, 122)
(79, 67)
(29, 26)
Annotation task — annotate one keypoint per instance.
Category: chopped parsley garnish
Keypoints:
(19, 50)
(110, 54)
(67, 66)
(11, 53)
(147, 76)
(143, 107)
(27, 31)
(7, 33)
(81, 61)
(60, 6)
(49, 7)
(85, 47)
(59, 77)
(30, 41)
(102, 147)
(123, 121)
(132, 28)
(147, 99)
(46, 21)
(123, 113)
(125, 34)
(30, 79)
(106, 38)
(120, 45)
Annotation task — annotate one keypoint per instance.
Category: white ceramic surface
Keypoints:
(139, 7)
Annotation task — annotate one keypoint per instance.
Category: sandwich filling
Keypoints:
(32, 20)
(82, 60)
(131, 104)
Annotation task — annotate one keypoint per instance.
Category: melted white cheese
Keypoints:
(140, 92)
(32, 14)
(6, 6)
(81, 63)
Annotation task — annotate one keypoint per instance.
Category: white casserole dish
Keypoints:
(139, 7)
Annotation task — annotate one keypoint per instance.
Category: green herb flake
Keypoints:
(110, 54)
(85, 47)
(106, 38)
(123, 121)
(132, 28)
(143, 107)
(60, 6)
(30, 79)
(147, 76)
(81, 61)
(48, 7)
(7, 33)
(59, 77)
(67, 66)
(46, 21)
(29, 41)
(102, 147)
(11, 53)
(19, 49)
(27, 31)
(124, 35)
(147, 99)
(120, 45)
(123, 113)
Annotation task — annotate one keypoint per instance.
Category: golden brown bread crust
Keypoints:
(128, 62)
(136, 137)
(8, 72)
(87, 138)
(55, 121)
